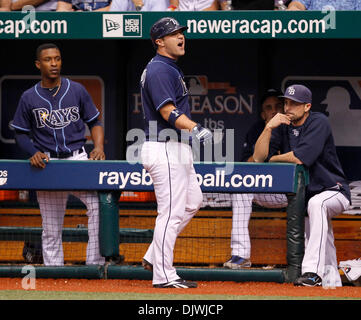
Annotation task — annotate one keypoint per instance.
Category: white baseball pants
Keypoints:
(52, 208)
(179, 197)
(320, 250)
(242, 209)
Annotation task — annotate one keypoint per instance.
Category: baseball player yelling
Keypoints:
(168, 160)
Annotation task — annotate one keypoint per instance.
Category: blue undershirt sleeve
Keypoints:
(24, 142)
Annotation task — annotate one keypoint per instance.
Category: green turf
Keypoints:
(66, 295)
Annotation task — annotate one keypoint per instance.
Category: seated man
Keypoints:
(304, 137)
(242, 202)
(18, 5)
(322, 4)
(83, 5)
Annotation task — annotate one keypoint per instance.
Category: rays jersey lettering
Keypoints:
(56, 123)
(56, 119)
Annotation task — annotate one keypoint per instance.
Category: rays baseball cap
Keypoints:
(164, 27)
(299, 93)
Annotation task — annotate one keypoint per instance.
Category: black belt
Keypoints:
(63, 155)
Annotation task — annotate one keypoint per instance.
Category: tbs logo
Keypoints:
(3, 177)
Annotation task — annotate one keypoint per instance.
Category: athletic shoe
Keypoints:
(350, 263)
(147, 265)
(179, 283)
(308, 279)
(237, 262)
(352, 273)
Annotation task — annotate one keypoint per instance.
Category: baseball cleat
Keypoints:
(237, 262)
(179, 283)
(308, 279)
(147, 265)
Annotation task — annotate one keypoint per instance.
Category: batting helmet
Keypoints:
(164, 27)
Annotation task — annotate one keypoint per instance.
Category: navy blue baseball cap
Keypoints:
(164, 27)
(270, 93)
(298, 93)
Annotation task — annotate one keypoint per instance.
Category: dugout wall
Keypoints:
(289, 179)
(232, 69)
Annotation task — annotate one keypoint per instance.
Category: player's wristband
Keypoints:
(174, 115)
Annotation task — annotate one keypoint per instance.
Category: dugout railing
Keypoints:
(111, 178)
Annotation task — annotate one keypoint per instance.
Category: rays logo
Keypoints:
(3, 177)
(56, 119)
(295, 132)
(291, 91)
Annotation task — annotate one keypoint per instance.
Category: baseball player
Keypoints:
(271, 104)
(54, 112)
(305, 137)
(169, 162)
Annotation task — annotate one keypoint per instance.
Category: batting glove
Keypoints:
(204, 135)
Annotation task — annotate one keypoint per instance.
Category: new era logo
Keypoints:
(122, 25)
(111, 25)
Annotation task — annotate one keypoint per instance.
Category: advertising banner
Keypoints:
(120, 175)
(30, 24)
